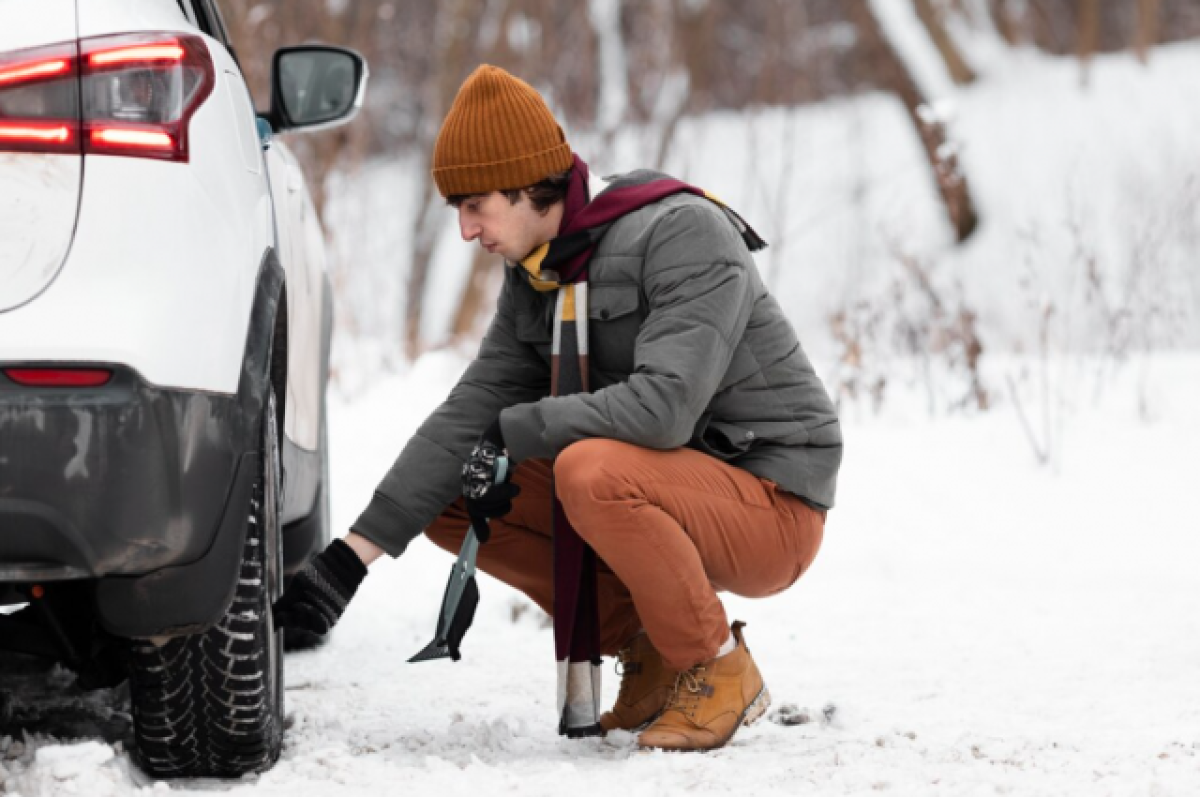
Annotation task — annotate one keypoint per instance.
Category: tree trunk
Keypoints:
(1146, 31)
(454, 36)
(1089, 37)
(890, 70)
(473, 302)
(931, 17)
(1005, 20)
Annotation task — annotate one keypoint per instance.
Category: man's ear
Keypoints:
(527, 195)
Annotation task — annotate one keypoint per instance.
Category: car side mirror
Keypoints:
(316, 86)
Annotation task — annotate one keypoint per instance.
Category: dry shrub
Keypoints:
(918, 330)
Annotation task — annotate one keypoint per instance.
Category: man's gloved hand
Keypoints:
(318, 594)
(484, 497)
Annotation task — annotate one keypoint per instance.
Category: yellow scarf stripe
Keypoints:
(568, 313)
(533, 261)
(533, 264)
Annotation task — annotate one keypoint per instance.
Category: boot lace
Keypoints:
(690, 688)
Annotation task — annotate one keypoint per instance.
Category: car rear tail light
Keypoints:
(59, 377)
(131, 95)
(140, 91)
(39, 100)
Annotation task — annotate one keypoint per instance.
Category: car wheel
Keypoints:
(211, 704)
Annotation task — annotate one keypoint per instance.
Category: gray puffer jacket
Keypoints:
(686, 346)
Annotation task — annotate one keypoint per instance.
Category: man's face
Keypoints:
(511, 231)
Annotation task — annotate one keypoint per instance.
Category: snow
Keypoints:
(975, 624)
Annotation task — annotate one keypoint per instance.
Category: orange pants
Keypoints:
(671, 529)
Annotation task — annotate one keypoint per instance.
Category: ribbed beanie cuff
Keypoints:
(498, 135)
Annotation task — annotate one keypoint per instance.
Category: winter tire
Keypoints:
(211, 704)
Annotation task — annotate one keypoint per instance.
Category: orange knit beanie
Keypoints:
(498, 135)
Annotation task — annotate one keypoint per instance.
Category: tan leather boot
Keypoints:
(646, 683)
(710, 702)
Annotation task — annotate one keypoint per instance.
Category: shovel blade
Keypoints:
(449, 634)
(434, 650)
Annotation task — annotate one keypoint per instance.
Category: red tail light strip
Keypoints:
(132, 138)
(50, 134)
(168, 51)
(45, 69)
(59, 377)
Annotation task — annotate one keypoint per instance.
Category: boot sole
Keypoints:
(753, 713)
(758, 706)
(639, 728)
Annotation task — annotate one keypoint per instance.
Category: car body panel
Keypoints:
(39, 197)
(101, 17)
(53, 22)
(161, 282)
(190, 339)
(39, 194)
(295, 222)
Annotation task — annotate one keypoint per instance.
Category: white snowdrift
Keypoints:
(974, 624)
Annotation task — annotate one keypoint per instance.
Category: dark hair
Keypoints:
(543, 194)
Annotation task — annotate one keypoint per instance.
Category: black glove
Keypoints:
(484, 496)
(318, 594)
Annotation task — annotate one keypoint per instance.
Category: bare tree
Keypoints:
(1146, 29)
(891, 70)
(454, 42)
(1005, 18)
(1089, 37)
(931, 17)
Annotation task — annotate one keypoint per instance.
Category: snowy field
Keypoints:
(975, 624)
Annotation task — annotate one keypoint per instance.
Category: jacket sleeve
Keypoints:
(700, 295)
(427, 475)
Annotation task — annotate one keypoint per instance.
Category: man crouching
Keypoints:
(671, 439)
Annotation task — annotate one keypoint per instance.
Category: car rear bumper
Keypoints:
(122, 479)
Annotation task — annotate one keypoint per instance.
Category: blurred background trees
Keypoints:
(608, 66)
(731, 54)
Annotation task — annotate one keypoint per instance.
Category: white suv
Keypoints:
(165, 319)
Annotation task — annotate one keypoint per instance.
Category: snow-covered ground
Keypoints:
(975, 624)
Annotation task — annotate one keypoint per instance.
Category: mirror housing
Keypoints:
(316, 86)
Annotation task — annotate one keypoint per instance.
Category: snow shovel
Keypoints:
(462, 594)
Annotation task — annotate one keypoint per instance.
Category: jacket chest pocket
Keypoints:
(613, 324)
